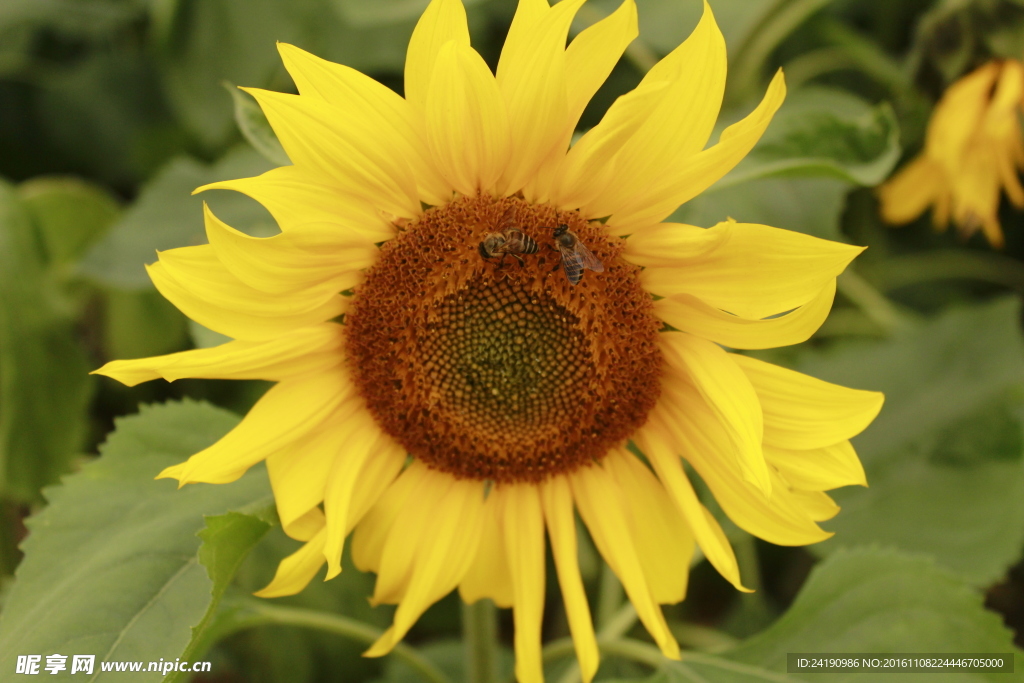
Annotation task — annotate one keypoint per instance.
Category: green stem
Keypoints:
(609, 597)
(750, 571)
(873, 303)
(948, 264)
(480, 640)
(262, 614)
(615, 628)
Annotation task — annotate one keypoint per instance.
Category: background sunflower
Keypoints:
(114, 111)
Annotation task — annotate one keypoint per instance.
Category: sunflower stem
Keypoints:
(480, 640)
(260, 613)
(609, 597)
(873, 303)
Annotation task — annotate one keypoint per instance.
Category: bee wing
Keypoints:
(587, 258)
(572, 263)
(508, 219)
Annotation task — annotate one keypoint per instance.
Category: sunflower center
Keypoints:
(490, 369)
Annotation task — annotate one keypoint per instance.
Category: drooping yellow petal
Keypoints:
(755, 271)
(375, 478)
(696, 433)
(589, 60)
(817, 505)
(289, 410)
(360, 436)
(298, 474)
(297, 570)
(688, 177)
(662, 538)
(558, 512)
(309, 349)
(818, 469)
(601, 507)
(532, 79)
(314, 256)
(802, 412)
(489, 575)
(689, 314)
(467, 125)
(913, 189)
(443, 20)
(524, 547)
(729, 395)
(296, 197)
(197, 283)
(443, 550)
(352, 92)
(373, 531)
(654, 440)
(354, 152)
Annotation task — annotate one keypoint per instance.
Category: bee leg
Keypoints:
(518, 258)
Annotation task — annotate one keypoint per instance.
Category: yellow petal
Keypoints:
(654, 440)
(360, 438)
(489, 576)
(355, 152)
(354, 93)
(689, 314)
(958, 114)
(297, 570)
(691, 175)
(289, 410)
(755, 271)
(524, 547)
(818, 469)
(663, 541)
(673, 244)
(195, 281)
(816, 504)
(298, 473)
(295, 197)
(907, 194)
(443, 20)
(599, 501)
(375, 527)
(589, 60)
(803, 412)
(308, 349)
(699, 437)
(729, 395)
(467, 125)
(443, 551)
(561, 524)
(679, 125)
(377, 475)
(532, 78)
(314, 256)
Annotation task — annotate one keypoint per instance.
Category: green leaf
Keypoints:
(70, 214)
(255, 127)
(43, 370)
(872, 600)
(141, 323)
(227, 540)
(819, 145)
(111, 565)
(944, 458)
(360, 13)
(166, 215)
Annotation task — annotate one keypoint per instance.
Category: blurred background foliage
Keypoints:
(113, 111)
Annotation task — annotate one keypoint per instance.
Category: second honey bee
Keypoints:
(508, 241)
(575, 255)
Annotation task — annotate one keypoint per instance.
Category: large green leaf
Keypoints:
(944, 458)
(70, 214)
(44, 386)
(253, 124)
(872, 600)
(166, 215)
(820, 144)
(111, 565)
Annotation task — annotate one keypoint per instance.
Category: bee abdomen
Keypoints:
(529, 245)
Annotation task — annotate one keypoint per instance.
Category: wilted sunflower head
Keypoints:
(464, 342)
(973, 152)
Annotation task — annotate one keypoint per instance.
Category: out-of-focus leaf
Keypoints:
(255, 127)
(166, 215)
(359, 13)
(204, 337)
(450, 657)
(91, 18)
(227, 540)
(872, 600)
(43, 370)
(70, 214)
(141, 323)
(820, 144)
(944, 458)
(111, 565)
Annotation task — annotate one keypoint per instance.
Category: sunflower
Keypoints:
(450, 407)
(973, 151)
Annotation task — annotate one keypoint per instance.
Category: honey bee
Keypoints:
(508, 242)
(575, 255)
